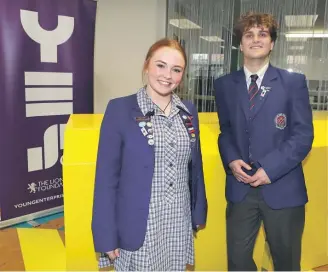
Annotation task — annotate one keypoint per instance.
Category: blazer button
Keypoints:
(171, 184)
(171, 164)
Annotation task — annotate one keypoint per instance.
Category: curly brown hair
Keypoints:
(252, 19)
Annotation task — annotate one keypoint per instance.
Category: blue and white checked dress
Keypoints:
(169, 243)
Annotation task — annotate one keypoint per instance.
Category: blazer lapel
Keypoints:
(194, 142)
(265, 88)
(192, 129)
(242, 92)
(142, 127)
(189, 123)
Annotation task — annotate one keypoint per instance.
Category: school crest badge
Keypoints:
(280, 121)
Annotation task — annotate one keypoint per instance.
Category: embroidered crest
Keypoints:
(280, 121)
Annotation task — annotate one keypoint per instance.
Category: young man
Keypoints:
(266, 132)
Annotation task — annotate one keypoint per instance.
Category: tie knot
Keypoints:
(254, 78)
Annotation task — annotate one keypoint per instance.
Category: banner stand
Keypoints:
(46, 74)
(32, 216)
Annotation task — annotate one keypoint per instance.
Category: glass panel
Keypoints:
(204, 28)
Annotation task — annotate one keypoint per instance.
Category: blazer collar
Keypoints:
(270, 74)
(144, 104)
(239, 77)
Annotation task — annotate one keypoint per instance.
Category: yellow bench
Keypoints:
(80, 150)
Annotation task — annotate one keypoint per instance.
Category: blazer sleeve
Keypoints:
(227, 149)
(293, 151)
(104, 226)
(200, 212)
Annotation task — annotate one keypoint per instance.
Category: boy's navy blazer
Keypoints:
(124, 173)
(279, 132)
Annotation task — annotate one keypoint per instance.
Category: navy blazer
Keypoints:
(279, 132)
(124, 173)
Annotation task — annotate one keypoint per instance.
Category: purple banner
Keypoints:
(46, 73)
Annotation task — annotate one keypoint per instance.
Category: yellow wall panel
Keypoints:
(81, 141)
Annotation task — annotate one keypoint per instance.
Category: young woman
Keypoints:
(149, 190)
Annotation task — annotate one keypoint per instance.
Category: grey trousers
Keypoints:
(283, 230)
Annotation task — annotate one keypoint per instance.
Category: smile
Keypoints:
(165, 83)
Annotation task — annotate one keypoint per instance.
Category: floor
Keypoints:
(13, 239)
(322, 268)
(24, 237)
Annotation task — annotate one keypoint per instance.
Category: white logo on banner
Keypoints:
(32, 187)
(49, 87)
(48, 40)
(37, 201)
(51, 146)
(45, 185)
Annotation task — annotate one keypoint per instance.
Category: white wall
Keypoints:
(125, 29)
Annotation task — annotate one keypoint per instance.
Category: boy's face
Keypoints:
(256, 43)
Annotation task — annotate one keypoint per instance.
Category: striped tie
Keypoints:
(252, 91)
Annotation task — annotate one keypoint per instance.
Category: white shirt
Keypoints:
(260, 74)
